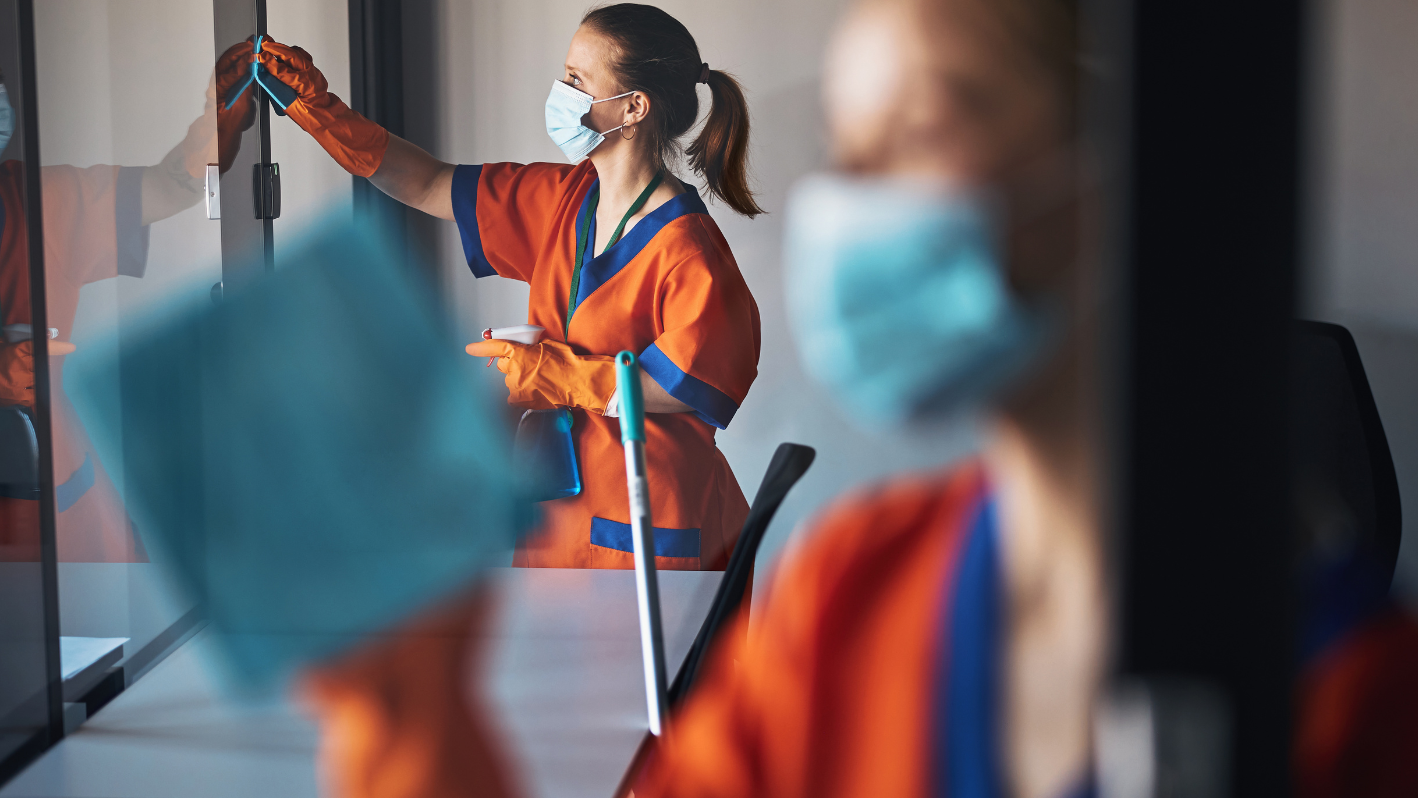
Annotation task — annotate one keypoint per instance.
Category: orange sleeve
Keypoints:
(507, 213)
(707, 356)
(93, 223)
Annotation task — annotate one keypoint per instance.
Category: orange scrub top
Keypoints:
(837, 693)
(92, 231)
(669, 291)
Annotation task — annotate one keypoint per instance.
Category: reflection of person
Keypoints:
(655, 274)
(96, 227)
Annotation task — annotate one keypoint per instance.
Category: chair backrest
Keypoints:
(1345, 486)
(19, 455)
(788, 465)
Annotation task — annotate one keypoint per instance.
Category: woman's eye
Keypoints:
(575, 81)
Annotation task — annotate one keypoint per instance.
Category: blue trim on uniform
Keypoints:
(668, 542)
(465, 213)
(598, 270)
(132, 234)
(967, 673)
(712, 405)
(75, 487)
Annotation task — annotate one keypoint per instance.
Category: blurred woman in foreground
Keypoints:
(941, 634)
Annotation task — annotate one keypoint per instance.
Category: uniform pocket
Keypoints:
(668, 542)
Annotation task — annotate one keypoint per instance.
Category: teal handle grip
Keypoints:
(632, 403)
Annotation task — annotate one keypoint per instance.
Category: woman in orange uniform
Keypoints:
(619, 255)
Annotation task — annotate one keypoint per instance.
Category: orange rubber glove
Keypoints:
(547, 375)
(17, 374)
(17, 370)
(215, 136)
(354, 142)
(231, 69)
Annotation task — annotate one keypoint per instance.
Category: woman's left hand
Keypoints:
(549, 374)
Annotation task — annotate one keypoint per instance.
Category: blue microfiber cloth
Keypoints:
(314, 457)
(281, 95)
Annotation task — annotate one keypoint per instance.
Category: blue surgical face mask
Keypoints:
(565, 108)
(7, 119)
(898, 298)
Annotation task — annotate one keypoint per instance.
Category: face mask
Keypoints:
(565, 108)
(898, 299)
(7, 118)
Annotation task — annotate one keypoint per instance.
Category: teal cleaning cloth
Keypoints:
(313, 457)
(281, 95)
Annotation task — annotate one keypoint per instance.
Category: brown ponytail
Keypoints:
(656, 55)
(720, 153)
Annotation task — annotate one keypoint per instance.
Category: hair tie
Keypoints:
(704, 74)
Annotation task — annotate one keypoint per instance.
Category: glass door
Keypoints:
(128, 123)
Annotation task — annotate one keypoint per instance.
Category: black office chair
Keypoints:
(19, 454)
(788, 465)
(1345, 486)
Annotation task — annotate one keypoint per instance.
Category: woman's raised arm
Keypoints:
(415, 178)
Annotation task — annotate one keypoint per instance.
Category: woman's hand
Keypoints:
(398, 168)
(354, 142)
(549, 374)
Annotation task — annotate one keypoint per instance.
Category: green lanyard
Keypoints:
(585, 233)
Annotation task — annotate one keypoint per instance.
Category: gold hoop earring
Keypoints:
(622, 133)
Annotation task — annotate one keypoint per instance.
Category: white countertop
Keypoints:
(565, 682)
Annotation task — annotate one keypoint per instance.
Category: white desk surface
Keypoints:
(565, 682)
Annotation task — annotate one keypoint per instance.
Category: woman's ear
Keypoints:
(638, 110)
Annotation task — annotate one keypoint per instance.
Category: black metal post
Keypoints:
(1211, 252)
(39, 321)
(377, 92)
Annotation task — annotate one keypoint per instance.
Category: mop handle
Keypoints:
(642, 534)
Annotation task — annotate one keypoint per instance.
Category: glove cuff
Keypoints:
(595, 386)
(355, 143)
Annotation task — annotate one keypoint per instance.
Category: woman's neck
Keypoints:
(624, 172)
(1042, 460)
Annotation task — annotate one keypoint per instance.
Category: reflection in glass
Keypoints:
(125, 230)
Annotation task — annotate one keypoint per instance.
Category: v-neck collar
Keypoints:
(596, 271)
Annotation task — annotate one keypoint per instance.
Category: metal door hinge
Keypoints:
(266, 188)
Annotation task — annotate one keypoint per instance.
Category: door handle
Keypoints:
(266, 189)
(214, 191)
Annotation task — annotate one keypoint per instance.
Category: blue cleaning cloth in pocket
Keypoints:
(313, 458)
(281, 95)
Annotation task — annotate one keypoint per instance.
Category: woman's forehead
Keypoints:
(587, 53)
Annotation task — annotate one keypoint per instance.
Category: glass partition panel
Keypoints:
(128, 126)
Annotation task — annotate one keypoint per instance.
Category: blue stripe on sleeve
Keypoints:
(465, 212)
(668, 542)
(967, 686)
(74, 488)
(709, 403)
(132, 244)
